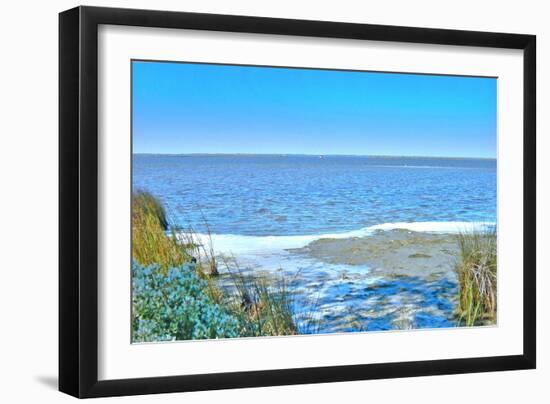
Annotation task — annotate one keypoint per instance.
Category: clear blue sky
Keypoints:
(198, 108)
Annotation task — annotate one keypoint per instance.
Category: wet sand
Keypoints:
(392, 253)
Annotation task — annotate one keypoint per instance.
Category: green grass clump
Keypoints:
(150, 243)
(263, 305)
(477, 278)
(151, 205)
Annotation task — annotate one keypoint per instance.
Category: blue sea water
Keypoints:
(278, 195)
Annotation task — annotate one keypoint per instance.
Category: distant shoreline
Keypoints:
(308, 155)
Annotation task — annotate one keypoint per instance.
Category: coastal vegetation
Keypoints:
(175, 306)
(150, 244)
(177, 292)
(477, 277)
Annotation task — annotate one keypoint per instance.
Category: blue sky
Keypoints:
(203, 108)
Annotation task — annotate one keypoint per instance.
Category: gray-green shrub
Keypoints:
(176, 306)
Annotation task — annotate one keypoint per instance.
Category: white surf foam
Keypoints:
(240, 244)
(436, 227)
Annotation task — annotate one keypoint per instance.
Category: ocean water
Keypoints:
(277, 195)
(260, 206)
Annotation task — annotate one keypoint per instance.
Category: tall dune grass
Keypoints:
(150, 244)
(477, 277)
(265, 305)
(151, 205)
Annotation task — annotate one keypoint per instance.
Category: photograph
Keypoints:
(272, 201)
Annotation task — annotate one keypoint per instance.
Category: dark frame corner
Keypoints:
(78, 192)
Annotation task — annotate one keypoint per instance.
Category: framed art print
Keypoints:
(250, 201)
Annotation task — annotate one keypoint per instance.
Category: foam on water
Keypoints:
(436, 227)
(240, 244)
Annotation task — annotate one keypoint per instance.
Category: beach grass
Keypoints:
(151, 205)
(259, 305)
(477, 277)
(264, 304)
(150, 243)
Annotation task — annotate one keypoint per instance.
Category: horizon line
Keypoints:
(312, 155)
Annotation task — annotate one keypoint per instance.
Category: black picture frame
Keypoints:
(78, 201)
